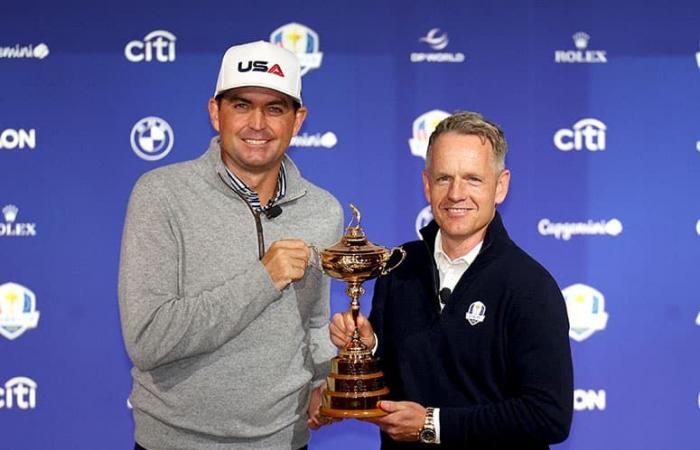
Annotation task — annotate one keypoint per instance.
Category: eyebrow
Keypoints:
(276, 102)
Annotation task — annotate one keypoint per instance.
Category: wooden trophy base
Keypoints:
(355, 385)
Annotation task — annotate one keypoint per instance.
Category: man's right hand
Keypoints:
(342, 327)
(286, 261)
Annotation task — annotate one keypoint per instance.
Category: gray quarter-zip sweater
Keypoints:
(222, 359)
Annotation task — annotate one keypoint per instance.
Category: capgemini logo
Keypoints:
(565, 230)
(39, 51)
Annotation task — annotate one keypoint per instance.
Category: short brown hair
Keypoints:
(467, 122)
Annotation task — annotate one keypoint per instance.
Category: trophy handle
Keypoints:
(403, 256)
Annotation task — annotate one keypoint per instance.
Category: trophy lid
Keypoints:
(354, 241)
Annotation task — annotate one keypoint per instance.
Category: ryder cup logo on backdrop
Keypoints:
(11, 228)
(424, 217)
(585, 307)
(18, 392)
(423, 127)
(697, 59)
(301, 40)
(586, 134)
(565, 230)
(17, 310)
(158, 45)
(319, 140)
(437, 40)
(152, 138)
(697, 227)
(581, 54)
(11, 139)
(19, 51)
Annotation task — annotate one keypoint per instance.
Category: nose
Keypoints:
(256, 120)
(458, 190)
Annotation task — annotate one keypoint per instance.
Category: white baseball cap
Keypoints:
(260, 64)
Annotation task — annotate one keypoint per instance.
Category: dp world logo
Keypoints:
(17, 310)
(585, 307)
(301, 40)
(152, 138)
(423, 127)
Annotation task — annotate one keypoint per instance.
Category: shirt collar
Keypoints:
(251, 197)
(442, 258)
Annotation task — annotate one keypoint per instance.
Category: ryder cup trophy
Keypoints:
(356, 382)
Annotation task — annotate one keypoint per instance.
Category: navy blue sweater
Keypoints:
(503, 383)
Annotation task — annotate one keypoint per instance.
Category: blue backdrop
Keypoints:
(600, 101)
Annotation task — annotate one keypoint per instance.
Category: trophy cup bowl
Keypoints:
(355, 383)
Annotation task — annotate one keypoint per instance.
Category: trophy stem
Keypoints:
(354, 291)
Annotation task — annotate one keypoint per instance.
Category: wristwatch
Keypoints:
(427, 434)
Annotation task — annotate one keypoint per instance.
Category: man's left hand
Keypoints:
(316, 420)
(403, 421)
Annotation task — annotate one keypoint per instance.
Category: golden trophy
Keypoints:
(356, 382)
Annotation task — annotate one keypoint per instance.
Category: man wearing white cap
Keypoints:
(229, 336)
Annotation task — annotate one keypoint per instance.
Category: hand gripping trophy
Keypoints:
(356, 382)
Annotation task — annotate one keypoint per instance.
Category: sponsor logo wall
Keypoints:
(601, 121)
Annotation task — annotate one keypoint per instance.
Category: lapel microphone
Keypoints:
(273, 212)
(444, 295)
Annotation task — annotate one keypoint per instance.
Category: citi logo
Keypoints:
(158, 45)
(589, 400)
(11, 139)
(260, 66)
(586, 134)
(581, 54)
(19, 392)
(565, 230)
(39, 51)
(10, 228)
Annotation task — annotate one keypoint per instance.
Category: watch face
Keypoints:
(427, 436)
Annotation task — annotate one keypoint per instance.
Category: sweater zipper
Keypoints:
(256, 216)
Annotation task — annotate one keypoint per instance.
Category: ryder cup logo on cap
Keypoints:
(152, 138)
(302, 41)
(585, 307)
(17, 310)
(260, 64)
(423, 127)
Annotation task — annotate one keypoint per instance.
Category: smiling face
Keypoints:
(256, 125)
(463, 186)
